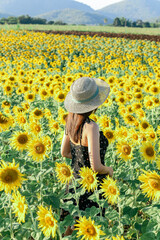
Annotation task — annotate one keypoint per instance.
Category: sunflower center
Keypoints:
(55, 125)
(23, 120)
(150, 103)
(39, 148)
(156, 100)
(121, 100)
(38, 112)
(30, 96)
(37, 128)
(150, 151)
(65, 171)
(3, 119)
(91, 230)
(130, 118)
(109, 135)
(8, 88)
(155, 89)
(44, 92)
(9, 176)
(112, 190)
(154, 183)
(90, 179)
(22, 139)
(138, 96)
(49, 221)
(61, 96)
(6, 103)
(152, 135)
(135, 137)
(145, 125)
(21, 207)
(126, 149)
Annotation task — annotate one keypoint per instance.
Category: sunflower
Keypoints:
(20, 140)
(38, 148)
(148, 152)
(129, 119)
(134, 136)
(21, 119)
(87, 229)
(109, 134)
(29, 97)
(121, 132)
(63, 172)
(150, 184)
(5, 122)
(43, 92)
(6, 104)
(110, 190)
(88, 179)
(148, 102)
(47, 222)
(144, 126)
(62, 114)
(60, 96)
(19, 207)
(36, 113)
(7, 89)
(10, 176)
(35, 128)
(104, 121)
(53, 126)
(124, 148)
(154, 89)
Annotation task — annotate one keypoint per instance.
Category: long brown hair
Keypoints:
(73, 124)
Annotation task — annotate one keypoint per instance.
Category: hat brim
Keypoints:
(76, 107)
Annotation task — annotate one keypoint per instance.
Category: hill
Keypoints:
(133, 9)
(74, 16)
(36, 7)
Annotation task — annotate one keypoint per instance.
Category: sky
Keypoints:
(97, 4)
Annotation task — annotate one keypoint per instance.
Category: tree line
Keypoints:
(119, 22)
(26, 19)
(123, 22)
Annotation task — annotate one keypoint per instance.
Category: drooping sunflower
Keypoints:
(88, 179)
(20, 140)
(64, 172)
(109, 134)
(110, 190)
(87, 229)
(10, 177)
(150, 184)
(125, 149)
(47, 221)
(19, 206)
(5, 122)
(148, 151)
(38, 148)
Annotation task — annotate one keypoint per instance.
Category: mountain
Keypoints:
(133, 9)
(4, 15)
(74, 16)
(36, 7)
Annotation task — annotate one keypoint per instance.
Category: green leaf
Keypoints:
(148, 236)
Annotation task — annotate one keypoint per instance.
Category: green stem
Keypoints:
(119, 208)
(10, 214)
(76, 197)
(97, 196)
(41, 182)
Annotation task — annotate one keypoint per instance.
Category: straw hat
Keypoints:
(86, 94)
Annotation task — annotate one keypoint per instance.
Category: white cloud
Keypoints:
(97, 4)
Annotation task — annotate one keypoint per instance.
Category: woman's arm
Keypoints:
(65, 147)
(94, 150)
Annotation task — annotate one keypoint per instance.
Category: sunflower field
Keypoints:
(36, 72)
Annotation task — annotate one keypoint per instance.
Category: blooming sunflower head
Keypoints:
(150, 184)
(47, 221)
(87, 229)
(10, 177)
(64, 172)
(110, 190)
(148, 152)
(20, 140)
(38, 148)
(88, 179)
(19, 206)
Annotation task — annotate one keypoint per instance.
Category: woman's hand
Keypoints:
(110, 171)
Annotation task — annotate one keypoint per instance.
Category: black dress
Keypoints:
(80, 158)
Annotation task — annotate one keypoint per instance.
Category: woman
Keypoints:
(82, 141)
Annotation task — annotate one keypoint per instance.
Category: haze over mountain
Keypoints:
(75, 16)
(73, 12)
(133, 9)
(36, 7)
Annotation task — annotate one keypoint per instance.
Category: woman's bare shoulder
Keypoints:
(91, 126)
